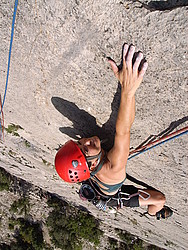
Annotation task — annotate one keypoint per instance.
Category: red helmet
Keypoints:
(71, 164)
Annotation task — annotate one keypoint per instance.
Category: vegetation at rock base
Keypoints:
(4, 181)
(125, 236)
(27, 144)
(12, 129)
(28, 236)
(131, 242)
(46, 162)
(20, 206)
(113, 244)
(69, 226)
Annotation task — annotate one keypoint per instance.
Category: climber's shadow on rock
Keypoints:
(84, 124)
(163, 5)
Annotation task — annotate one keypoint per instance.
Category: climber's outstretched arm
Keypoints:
(130, 78)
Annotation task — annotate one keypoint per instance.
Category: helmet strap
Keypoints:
(98, 156)
(98, 166)
(89, 158)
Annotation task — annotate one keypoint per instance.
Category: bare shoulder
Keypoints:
(109, 174)
(118, 155)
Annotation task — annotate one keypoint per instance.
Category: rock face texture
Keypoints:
(61, 87)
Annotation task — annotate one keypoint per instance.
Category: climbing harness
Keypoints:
(89, 192)
(2, 102)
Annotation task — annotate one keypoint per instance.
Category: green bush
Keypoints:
(31, 234)
(130, 241)
(138, 245)
(4, 181)
(12, 222)
(3, 246)
(27, 144)
(68, 227)
(125, 236)
(113, 244)
(20, 206)
(28, 235)
(12, 129)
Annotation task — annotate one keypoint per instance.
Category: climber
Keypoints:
(103, 173)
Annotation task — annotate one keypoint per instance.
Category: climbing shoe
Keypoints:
(164, 213)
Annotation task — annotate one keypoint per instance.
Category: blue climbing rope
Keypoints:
(158, 144)
(10, 50)
(9, 57)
